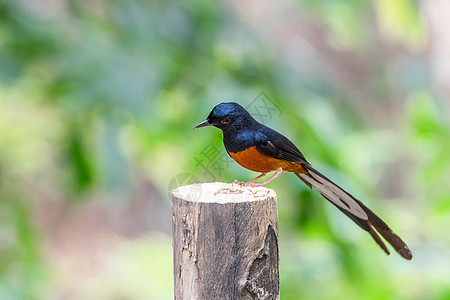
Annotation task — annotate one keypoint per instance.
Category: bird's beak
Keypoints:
(203, 124)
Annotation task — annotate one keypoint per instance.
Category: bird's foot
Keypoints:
(254, 184)
(250, 183)
(238, 182)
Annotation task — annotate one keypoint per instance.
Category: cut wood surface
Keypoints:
(225, 242)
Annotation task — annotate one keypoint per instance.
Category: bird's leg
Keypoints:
(251, 181)
(277, 173)
(257, 177)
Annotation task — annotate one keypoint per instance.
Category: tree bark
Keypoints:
(225, 242)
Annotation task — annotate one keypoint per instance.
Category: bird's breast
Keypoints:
(254, 160)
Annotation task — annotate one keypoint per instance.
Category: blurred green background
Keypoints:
(97, 104)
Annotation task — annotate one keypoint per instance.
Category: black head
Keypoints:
(227, 116)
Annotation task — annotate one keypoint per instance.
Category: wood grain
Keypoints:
(225, 242)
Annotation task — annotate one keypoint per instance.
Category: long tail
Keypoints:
(355, 210)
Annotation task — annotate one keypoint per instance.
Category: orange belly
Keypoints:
(254, 160)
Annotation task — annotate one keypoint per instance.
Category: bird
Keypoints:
(259, 148)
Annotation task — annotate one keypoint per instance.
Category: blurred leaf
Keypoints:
(400, 20)
(79, 158)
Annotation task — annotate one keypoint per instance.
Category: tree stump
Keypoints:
(225, 242)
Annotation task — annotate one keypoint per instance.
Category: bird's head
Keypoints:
(227, 116)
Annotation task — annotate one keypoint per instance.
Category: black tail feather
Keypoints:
(372, 223)
(387, 233)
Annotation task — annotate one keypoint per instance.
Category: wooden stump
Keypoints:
(225, 242)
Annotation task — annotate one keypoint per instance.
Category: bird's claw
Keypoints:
(254, 184)
(247, 183)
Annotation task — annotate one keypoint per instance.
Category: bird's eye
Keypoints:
(225, 121)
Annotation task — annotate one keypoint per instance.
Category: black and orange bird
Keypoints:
(261, 149)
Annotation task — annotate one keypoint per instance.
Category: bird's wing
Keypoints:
(279, 146)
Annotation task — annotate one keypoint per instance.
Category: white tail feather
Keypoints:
(334, 194)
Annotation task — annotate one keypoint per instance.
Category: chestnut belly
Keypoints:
(254, 160)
